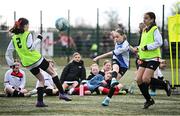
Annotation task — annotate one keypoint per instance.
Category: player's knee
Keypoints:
(75, 83)
(139, 81)
(146, 80)
(41, 82)
(100, 88)
(53, 73)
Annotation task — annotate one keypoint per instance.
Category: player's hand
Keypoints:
(104, 82)
(40, 36)
(95, 59)
(139, 61)
(134, 49)
(143, 49)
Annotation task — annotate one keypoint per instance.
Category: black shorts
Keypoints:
(149, 64)
(122, 70)
(44, 65)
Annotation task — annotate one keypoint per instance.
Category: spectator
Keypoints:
(47, 43)
(87, 45)
(93, 49)
(79, 41)
(94, 71)
(63, 39)
(166, 44)
(158, 75)
(73, 73)
(14, 81)
(98, 82)
(104, 89)
(107, 66)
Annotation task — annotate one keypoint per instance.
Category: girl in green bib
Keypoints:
(149, 55)
(24, 44)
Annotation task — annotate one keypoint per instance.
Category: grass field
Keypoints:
(90, 105)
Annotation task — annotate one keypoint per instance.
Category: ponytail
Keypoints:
(18, 27)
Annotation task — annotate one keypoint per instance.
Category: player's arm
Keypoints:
(6, 80)
(133, 49)
(83, 74)
(9, 54)
(64, 73)
(23, 82)
(31, 44)
(102, 56)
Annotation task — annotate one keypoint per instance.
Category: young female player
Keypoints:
(120, 61)
(24, 45)
(149, 55)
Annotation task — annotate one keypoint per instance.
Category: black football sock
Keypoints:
(156, 82)
(114, 74)
(15, 93)
(58, 84)
(111, 92)
(145, 91)
(21, 94)
(40, 92)
(160, 78)
(49, 92)
(153, 88)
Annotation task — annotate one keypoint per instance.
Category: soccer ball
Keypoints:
(62, 24)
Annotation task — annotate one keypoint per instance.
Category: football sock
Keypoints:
(156, 82)
(21, 94)
(111, 92)
(114, 74)
(40, 92)
(144, 90)
(15, 93)
(58, 84)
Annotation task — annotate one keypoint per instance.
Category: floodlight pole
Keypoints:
(129, 27)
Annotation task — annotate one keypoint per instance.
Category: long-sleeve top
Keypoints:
(74, 71)
(31, 44)
(16, 80)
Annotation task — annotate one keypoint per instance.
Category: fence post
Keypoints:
(41, 30)
(129, 27)
(163, 55)
(97, 33)
(68, 33)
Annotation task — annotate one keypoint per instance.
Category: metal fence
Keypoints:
(88, 41)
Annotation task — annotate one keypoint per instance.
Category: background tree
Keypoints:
(173, 9)
(112, 17)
